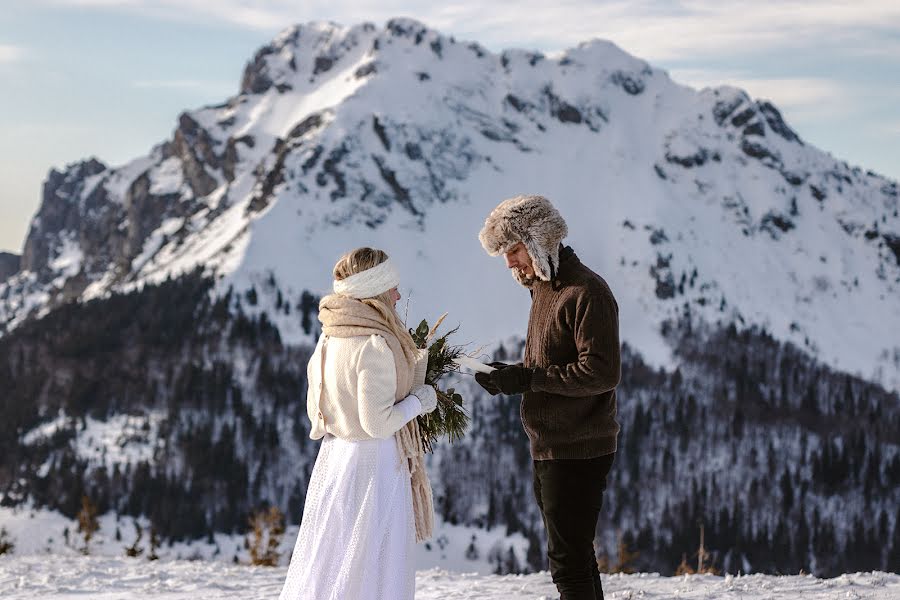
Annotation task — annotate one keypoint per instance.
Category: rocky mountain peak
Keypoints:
(9, 265)
(61, 209)
(301, 52)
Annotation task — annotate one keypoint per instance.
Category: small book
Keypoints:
(475, 365)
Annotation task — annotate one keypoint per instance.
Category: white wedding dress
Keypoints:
(357, 536)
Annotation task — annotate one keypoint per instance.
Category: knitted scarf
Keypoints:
(344, 317)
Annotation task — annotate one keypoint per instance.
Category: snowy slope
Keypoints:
(42, 532)
(69, 578)
(399, 137)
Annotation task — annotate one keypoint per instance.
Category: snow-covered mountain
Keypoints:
(756, 276)
(403, 138)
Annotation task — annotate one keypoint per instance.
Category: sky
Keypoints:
(108, 78)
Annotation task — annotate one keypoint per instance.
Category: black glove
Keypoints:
(513, 379)
(484, 379)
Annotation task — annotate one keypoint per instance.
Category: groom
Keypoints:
(567, 380)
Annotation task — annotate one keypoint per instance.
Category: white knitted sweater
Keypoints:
(356, 399)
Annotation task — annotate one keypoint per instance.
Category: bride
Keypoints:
(369, 499)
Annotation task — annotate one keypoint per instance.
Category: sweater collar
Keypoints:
(567, 256)
(568, 261)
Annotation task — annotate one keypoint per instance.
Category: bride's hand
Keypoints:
(427, 396)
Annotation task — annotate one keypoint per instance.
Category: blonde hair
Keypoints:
(362, 259)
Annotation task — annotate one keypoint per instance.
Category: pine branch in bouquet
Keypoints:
(450, 417)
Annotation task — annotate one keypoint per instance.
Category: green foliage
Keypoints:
(450, 417)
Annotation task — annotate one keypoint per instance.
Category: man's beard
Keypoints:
(526, 280)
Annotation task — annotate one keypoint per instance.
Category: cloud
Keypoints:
(733, 28)
(806, 96)
(887, 48)
(10, 54)
(193, 85)
(651, 29)
(266, 15)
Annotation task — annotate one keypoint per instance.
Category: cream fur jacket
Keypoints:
(355, 401)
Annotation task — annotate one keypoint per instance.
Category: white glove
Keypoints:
(427, 397)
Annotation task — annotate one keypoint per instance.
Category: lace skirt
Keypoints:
(357, 536)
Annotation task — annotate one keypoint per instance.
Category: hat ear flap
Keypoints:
(539, 261)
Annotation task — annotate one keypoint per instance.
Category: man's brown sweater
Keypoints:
(573, 347)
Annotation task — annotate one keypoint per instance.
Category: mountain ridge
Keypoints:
(383, 131)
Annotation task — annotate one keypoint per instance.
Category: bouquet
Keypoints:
(450, 417)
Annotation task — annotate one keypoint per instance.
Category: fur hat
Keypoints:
(532, 220)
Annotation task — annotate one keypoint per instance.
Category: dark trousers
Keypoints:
(569, 493)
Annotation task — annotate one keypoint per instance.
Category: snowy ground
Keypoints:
(103, 578)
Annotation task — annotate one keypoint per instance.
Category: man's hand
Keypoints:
(484, 379)
(513, 379)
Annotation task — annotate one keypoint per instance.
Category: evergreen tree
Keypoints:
(511, 565)
(893, 557)
(134, 550)
(472, 550)
(6, 544)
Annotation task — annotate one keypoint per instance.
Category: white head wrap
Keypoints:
(369, 283)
